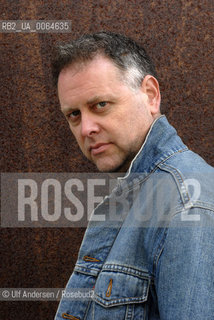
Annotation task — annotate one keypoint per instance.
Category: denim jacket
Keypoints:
(155, 258)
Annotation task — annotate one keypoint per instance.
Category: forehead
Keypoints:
(84, 79)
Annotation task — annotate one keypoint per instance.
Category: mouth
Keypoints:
(99, 148)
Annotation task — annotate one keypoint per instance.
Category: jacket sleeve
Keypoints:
(185, 269)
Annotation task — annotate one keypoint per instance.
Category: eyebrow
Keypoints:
(91, 101)
(96, 99)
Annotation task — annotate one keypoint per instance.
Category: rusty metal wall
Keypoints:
(177, 35)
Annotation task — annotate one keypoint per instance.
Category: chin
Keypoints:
(102, 167)
(117, 167)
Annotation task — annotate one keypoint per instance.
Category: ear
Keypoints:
(150, 87)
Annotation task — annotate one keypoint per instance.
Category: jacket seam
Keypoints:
(144, 277)
(179, 182)
(186, 200)
(87, 309)
(159, 252)
(143, 179)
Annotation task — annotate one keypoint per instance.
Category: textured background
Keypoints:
(177, 35)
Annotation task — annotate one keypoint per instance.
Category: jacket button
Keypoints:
(90, 259)
(108, 292)
(69, 316)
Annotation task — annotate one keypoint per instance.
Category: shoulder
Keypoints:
(194, 178)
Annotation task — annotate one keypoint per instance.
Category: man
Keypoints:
(155, 259)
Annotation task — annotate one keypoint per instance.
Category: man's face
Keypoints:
(108, 118)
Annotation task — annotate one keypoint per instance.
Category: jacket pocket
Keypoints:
(116, 288)
(121, 292)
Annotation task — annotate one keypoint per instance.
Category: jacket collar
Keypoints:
(160, 143)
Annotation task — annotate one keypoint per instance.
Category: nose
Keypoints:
(89, 125)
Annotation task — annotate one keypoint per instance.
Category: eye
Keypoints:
(73, 115)
(101, 104)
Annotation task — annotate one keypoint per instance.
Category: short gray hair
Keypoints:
(127, 55)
